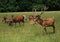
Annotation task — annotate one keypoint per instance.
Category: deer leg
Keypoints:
(45, 31)
(15, 24)
(53, 29)
(23, 22)
(19, 23)
(5, 21)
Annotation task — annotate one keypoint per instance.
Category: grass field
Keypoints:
(29, 33)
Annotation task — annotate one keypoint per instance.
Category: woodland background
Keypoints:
(28, 5)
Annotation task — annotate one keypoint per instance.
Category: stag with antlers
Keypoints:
(47, 22)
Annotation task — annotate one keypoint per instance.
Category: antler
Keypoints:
(43, 9)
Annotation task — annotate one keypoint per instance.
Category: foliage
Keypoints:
(27, 5)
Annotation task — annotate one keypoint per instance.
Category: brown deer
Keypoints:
(46, 22)
(6, 19)
(31, 19)
(17, 19)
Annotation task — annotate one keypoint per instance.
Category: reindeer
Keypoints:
(46, 22)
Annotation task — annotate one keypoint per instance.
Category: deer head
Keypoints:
(42, 11)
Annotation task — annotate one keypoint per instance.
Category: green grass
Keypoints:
(29, 33)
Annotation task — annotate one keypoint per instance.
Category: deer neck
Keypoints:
(40, 21)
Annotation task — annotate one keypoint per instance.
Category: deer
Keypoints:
(6, 19)
(45, 22)
(17, 19)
